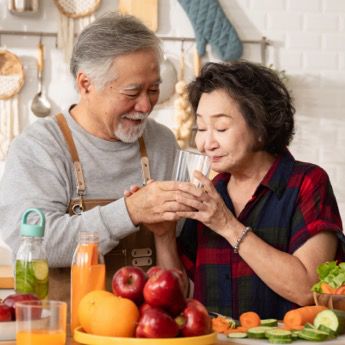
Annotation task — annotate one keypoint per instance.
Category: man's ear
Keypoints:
(83, 83)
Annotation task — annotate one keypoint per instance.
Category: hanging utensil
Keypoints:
(169, 79)
(40, 105)
(23, 6)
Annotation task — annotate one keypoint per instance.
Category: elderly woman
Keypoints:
(265, 223)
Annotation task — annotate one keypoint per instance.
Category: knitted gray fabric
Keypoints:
(212, 26)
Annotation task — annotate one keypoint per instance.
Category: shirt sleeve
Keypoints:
(37, 176)
(316, 209)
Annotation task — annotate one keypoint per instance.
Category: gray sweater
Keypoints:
(39, 173)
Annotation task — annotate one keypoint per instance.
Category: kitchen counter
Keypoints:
(222, 340)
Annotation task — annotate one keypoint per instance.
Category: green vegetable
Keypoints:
(333, 319)
(279, 336)
(269, 322)
(313, 334)
(330, 273)
(238, 335)
(258, 332)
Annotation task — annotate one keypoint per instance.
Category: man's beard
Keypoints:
(131, 133)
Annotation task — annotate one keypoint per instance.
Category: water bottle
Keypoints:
(87, 271)
(31, 273)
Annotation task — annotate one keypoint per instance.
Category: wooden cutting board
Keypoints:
(145, 10)
(6, 277)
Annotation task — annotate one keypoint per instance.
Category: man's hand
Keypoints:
(155, 203)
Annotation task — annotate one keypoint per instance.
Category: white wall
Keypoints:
(308, 42)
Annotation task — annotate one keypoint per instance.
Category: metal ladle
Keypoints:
(40, 105)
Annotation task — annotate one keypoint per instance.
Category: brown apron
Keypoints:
(136, 249)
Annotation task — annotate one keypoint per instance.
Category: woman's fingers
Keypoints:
(205, 181)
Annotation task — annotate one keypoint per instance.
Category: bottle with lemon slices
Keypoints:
(31, 274)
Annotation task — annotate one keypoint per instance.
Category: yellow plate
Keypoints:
(84, 338)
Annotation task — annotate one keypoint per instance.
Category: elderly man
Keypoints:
(75, 166)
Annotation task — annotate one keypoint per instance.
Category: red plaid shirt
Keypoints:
(293, 202)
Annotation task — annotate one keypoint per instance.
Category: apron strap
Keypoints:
(145, 168)
(81, 186)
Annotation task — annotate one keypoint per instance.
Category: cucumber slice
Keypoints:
(269, 322)
(295, 335)
(238, 335)
(333, 319)
(309, 325)
(313, 334)
(278, 333)
(274, 340)
(40, 269)
(326, 329)
(258, 332)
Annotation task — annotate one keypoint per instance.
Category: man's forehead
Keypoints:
(136, 86)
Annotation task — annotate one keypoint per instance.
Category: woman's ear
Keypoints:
(83, 83)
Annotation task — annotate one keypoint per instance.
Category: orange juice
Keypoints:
(87, 274)
(41, 337)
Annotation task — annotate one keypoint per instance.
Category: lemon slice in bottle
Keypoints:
(40, 269)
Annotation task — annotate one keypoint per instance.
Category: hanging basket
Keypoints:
(77, 8)
(11, 75)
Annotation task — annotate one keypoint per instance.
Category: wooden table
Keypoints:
(224, 341)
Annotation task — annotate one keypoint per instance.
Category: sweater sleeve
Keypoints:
(37, 175)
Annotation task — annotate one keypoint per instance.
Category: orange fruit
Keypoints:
(102, 313)
(88, 305)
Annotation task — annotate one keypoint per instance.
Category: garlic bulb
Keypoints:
(183, 115)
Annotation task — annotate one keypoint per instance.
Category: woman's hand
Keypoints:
(209, 207)
(133, 189)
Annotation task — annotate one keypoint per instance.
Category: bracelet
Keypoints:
(241, 238)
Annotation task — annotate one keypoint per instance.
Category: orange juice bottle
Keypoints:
(87, 271)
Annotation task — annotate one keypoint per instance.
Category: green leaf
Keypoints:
(324, 269)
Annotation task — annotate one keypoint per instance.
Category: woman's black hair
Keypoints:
(263, 99)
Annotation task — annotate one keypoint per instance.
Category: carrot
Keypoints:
(326, 288)
(340, 290)
(250, 319)
(295, 328)
(300, 316)
(221, 324)
(237, 329)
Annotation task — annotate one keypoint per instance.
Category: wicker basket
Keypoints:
(330, 301)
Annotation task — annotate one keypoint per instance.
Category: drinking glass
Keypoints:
(186, 162)
(41, 322)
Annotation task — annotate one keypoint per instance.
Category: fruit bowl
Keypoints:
(329, 300)
(91, 339)
(7, 330)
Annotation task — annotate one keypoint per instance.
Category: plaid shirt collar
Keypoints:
(278, 175)
(276, 179)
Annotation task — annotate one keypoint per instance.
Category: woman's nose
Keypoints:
(210, 142)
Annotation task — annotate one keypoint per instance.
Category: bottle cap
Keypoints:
(32, 230)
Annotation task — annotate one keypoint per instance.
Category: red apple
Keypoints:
(143, 308)
(11, 301)
(155, 323)
(153, 270)
(163, 290)
(5, 313)
(128, 282)
(194, 319)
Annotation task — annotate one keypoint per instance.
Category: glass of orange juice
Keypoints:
(41, 322)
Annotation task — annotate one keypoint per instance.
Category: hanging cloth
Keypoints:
(75, 15)
(11, 82)
(212, 26)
